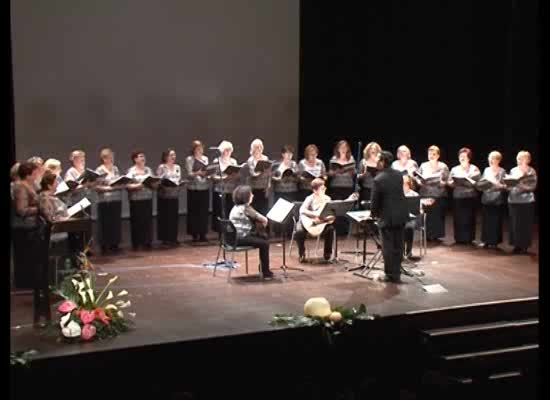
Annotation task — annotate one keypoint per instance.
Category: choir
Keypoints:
(286, 178)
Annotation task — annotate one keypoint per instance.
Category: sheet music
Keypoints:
(62, 187)
(280, 211)
(437, 288)
(81, 205)
(359, 216)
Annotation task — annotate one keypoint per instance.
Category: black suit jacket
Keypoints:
(388, 202)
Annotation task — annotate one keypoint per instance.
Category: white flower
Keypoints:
(83, 295)
(120, 314)
(71, 330)
(132, 314)
(122, 293)
(113, 279)
(88, 282)
(64, 319)
(111, 307)
(125, 305)
(75, 283)
(91, 295)
(110, 295)
(81, 285)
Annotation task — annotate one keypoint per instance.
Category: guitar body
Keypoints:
(313, 228)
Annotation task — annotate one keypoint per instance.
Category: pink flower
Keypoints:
(87, 316)
(66, 306)
(101, 315)
(88, 332)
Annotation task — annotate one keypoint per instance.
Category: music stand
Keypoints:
(279, 214)
(364, 219)
(338, 208)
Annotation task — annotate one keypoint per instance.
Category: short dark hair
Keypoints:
(166, 153)
(241, 194)
(26, 168)
(48, 179)
(386, 158)
(467, 151)
(287, 149)
(135, 154)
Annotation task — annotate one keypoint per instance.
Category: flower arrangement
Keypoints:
(85, 314)
(318, 312)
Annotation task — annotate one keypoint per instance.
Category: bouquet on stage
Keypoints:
(86, 314)
(318, 312)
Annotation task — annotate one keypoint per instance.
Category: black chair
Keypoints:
(228, 243)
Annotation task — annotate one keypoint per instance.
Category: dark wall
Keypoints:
(153, 74)
(451, 73)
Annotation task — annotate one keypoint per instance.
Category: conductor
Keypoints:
(389, 206)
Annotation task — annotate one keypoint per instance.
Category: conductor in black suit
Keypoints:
(389, 206)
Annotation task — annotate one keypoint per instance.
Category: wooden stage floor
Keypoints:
(178, 299)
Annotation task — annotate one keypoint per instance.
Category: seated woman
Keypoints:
(245, 218)
(311, 221)
(416, 222)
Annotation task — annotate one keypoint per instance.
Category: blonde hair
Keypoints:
(256, 143)
(14, 171)
(105, 152)
(371, 146)
(36, 160)
(524, 154)
(495, 154)
(404, 149)
(408, 180)
(225, 145)
(76, 154)
(52, 164)
(310, 148)
(434, 148)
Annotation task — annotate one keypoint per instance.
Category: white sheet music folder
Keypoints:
(359, 216)
(280, 211)
(62, 188)
(81, 205)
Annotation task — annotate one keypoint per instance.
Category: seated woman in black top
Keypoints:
(249, 223)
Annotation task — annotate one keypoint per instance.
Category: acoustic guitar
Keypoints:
(315, 227)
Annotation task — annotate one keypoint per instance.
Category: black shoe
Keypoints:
(203, 239)
(302, 258)
(327, 256)
(390, 279)
(268, 275)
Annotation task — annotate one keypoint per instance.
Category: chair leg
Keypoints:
(291, 242)
(216, 263)
(317, 246)
(231, 268)
(246, 261)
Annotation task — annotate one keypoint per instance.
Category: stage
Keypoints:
(177, 299)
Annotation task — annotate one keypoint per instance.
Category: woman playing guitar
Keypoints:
(312, 220)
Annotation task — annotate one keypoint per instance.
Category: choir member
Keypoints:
(492, 202)
(140, 197)
(168, 199)
(39, 162)
(14, 177)
(341, 182)
(78, 166)
(26, 236)
(465, 198)
(198, 192)
(404, 163)
(435, 188)
(310, 220)
(521, 203)
(310, 166)
(109, 203)
(365, 177)
(53, 209)
(285, 186)
(54, 166)
(258, 181)
(224, 184)
(246, 220)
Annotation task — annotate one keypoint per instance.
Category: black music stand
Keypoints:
(280, 213)
(370, 231)
(338, 208)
